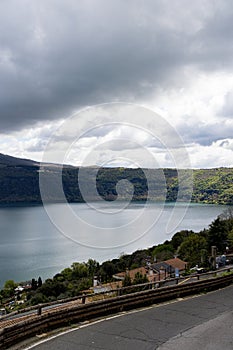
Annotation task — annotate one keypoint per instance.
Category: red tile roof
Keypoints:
(177, 263)
(132, 273)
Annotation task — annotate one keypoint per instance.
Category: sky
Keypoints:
(58, 57)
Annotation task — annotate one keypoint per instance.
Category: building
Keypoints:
(177, 263)
(144, 271)
(157, 271)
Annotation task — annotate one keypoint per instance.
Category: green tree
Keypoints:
(106, 271)
(84, 283)
(9, 288)
(52, 287)
(138, 258)
(163, 252)
(66, 273)
(139, 278)
(126, 281)
(38, 298)
(60, 277)
(230, 239)
(93, 267)
(34, 284)
(79, 270)
(194, 249)
(217, 235)
(39, 282)
(120, 264)
(179, 238)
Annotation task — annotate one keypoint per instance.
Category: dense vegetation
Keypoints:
(19, 183)
(194, 248)
(213, 186)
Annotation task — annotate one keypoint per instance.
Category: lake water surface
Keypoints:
(32, 246)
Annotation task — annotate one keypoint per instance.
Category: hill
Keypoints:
(19, 183)
(6, 160)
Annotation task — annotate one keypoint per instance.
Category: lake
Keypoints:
(32, 245)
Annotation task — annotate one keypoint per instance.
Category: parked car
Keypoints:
(198, 269)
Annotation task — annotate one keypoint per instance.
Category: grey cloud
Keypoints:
(205, 134)
(37, 146)
(226, 143)
(227, 109)
(214, 49)
(119, 145)
(57, 56)
(99, 131)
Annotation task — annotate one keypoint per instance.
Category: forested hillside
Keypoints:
(19, 183)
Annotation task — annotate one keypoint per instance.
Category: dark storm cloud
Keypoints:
(58, 56)
(213, 43)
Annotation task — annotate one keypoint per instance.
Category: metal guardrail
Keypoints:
(116, 292)
(54, 318)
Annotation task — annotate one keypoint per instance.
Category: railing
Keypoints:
(75, 313)
(86, 298)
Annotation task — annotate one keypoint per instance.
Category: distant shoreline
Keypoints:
(40, 204)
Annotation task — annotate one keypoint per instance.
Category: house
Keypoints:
(155, 272)
(177, 264)
(162, 269)
(132, 273)
(169, 267)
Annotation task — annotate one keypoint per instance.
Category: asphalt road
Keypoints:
(202, 322)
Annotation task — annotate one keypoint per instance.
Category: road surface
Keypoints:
(201, 322)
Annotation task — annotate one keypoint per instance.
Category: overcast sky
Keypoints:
(174, 57)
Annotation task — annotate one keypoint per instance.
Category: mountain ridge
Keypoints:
(19, 183)
(7, 160)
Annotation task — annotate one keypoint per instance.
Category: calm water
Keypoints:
(31, 245)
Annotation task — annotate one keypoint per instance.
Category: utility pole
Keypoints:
(213, 256)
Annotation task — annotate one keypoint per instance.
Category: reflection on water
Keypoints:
(31, 246)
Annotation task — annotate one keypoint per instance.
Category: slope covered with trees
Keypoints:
(19, 183)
